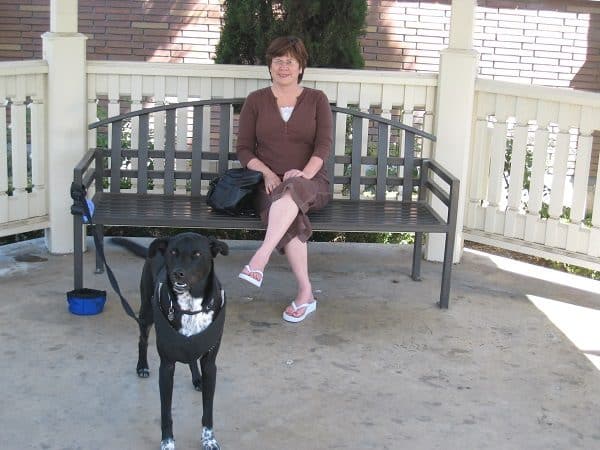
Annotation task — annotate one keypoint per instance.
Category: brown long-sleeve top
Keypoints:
(281, 145)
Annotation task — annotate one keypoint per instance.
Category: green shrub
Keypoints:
(330, 30)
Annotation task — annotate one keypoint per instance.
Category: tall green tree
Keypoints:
(330, 30)
(248, 26)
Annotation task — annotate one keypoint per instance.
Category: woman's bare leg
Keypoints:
(296, 252)
(281, 215)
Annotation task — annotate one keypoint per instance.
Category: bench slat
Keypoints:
(197, 125)
(357, 132)
(170, 153)
(143, 155)
(115, 156)
(224, 138)
(331, 161)
(409, 151)
(382, 161)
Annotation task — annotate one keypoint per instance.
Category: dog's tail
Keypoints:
(133, 247)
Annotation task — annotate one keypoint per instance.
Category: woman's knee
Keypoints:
(285, 199)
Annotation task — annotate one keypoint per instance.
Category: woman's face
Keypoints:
(285, 70)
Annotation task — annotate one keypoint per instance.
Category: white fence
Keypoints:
(531, 186)
(23, 196)
(541, 199)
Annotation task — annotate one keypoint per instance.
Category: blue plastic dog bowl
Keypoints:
(86, 302)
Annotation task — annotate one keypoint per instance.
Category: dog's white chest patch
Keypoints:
(193, 323)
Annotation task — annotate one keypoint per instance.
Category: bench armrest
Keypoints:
(80, 172)
(445, 195)
(441, 171)
(449, 197)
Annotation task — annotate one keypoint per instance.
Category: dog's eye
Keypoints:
(174, 252)
(196, 254)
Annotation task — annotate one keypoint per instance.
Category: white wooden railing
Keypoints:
(518, 205)
(23, 196)
(532, 183)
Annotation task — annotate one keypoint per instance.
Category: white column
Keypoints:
(64, 51)
(454, 116)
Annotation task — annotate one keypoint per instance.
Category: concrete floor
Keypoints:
(378, 366)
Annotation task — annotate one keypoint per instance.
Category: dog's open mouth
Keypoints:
(180, 287)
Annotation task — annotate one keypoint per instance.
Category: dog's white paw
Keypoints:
(208, 440)
(167, 444)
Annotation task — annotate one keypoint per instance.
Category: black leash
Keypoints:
(81, 208)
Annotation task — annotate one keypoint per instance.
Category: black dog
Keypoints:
(182, 296)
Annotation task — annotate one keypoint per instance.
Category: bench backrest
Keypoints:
(179, 148)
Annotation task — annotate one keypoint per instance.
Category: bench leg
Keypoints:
(447, 271)
(99, 263)
(77, 252)
(417, 257)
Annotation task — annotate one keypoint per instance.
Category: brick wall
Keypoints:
(157, 31)
(129, 30)
(405, 35)
(553, 43)
(21, 24)
(548, 42)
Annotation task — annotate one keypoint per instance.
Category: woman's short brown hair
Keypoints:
(288, 45)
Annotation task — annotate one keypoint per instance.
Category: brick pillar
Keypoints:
(64, 51)
(455, 96)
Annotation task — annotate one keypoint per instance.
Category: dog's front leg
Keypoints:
(196, 377)
(142, 368)
(165, 383)
(209, 378)
(146, 319)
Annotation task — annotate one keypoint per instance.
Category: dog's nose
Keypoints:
(178, 274)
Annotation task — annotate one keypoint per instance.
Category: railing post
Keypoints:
(64, 51)
(454, 117)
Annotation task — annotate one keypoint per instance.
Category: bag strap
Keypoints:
(80, 207)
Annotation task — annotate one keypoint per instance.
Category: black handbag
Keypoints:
(231, 193)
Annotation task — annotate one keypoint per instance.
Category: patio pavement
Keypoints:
(509, 366)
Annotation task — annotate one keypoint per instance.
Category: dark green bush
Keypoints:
(330, 30)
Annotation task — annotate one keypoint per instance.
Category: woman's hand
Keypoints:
(293, 173)
(271, 181)
(270, 178)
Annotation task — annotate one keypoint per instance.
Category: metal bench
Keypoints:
(380, 189)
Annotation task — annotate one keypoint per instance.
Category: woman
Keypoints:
(285, 132)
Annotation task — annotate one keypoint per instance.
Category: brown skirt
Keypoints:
(309, 195)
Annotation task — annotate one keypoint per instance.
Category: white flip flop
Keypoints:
(249, 279)
(308, 308)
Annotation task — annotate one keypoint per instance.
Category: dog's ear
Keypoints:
(158, 245)
(217, 247)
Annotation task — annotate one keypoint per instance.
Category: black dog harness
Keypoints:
(174, 345)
